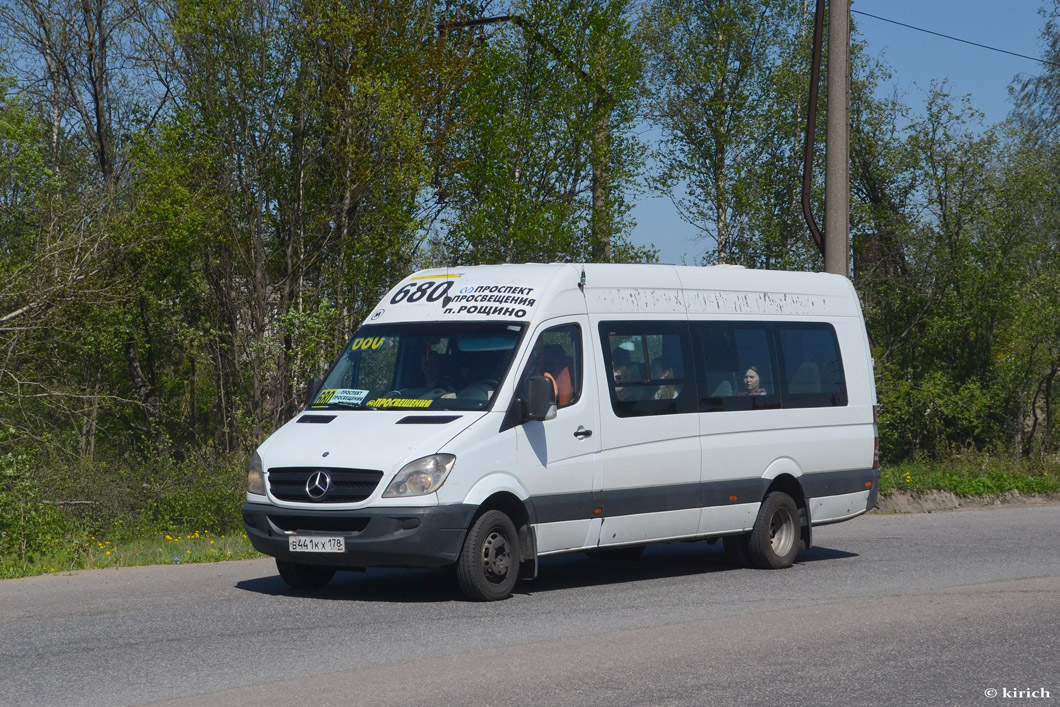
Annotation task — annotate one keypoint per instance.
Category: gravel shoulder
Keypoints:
(931, 501)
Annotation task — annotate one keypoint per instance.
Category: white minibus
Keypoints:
(484, 417)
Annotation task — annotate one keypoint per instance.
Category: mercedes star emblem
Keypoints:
(318, 485)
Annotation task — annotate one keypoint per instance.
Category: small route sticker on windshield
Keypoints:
(340, 396)
(400, 403)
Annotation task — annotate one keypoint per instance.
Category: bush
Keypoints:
(57, 516)
(28, 524)
(935, 416)
(46, 503)
(198, 493)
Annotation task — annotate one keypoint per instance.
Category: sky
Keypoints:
(915, 60)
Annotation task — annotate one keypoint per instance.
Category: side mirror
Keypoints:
(541, 399)
(312, 387)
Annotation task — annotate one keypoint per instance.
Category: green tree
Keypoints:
(1033, 346)
(313, 131)
(949, 321)
(548, 156)
(715, 68)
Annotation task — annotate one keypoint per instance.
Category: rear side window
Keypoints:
(765, 365)
(737, 361)
(810, 364)
(649, 367)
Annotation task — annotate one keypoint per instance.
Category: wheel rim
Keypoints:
(496, 557)
(782, 532)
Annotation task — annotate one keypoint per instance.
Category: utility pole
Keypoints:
(837, 142)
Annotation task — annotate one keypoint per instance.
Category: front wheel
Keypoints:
(299, 576)
(774, 540)
(488, 566)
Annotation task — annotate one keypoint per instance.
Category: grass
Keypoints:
(128, 549)
(973, 475)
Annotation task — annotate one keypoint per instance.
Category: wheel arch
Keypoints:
(508, 503)
(788, 483)
(522, 516)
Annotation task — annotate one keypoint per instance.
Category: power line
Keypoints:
(957, 39)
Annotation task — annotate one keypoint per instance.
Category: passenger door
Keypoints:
(650, 442)
(559, 461)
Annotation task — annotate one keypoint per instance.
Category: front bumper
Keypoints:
(374, 537)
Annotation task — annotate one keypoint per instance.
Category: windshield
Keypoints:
(416, 366)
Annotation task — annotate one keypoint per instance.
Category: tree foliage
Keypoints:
(549, 154)
(726, 90)
(199, 201)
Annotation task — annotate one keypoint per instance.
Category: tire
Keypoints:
(299, 576)
(774, 540)
(736, 552)
(488, 566)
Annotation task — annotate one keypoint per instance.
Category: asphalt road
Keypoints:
(930, 609)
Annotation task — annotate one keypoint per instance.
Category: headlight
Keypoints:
(255, 477)
(421, 477)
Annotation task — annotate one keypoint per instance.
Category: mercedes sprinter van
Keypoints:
(484, 417)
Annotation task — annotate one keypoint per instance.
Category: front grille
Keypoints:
(347, 485)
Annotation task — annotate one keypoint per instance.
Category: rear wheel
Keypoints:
(774, 540)
(488, 566)
(300, 576)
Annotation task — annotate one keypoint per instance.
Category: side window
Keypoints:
(557, 355)
(811, 367)
(737, 363)
(648, 367)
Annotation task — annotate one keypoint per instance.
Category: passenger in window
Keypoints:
(555, 366)
(622, 370)
(431, 367)
(467, 372)
(661, 370)
(752, 381)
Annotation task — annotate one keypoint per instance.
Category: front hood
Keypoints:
(381, 440)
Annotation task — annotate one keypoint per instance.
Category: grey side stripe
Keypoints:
(656, 499)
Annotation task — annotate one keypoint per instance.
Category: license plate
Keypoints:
(309, 543)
